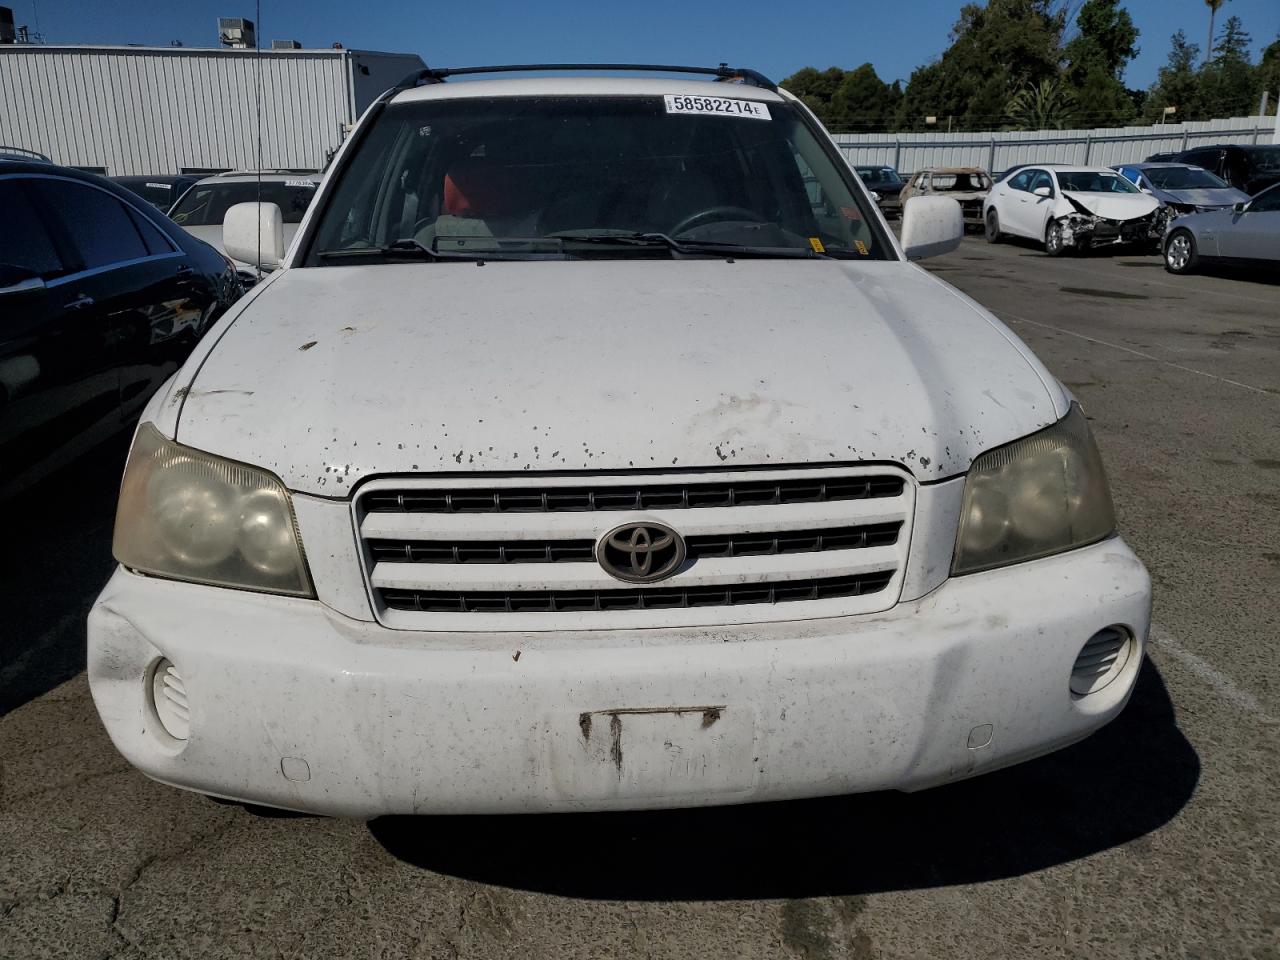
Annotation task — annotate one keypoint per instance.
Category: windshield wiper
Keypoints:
(405, 247)
(707, 247)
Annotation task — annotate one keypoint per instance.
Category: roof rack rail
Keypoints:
(21, 153)
(724, 72)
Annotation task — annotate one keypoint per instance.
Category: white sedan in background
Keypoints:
(1072, 208)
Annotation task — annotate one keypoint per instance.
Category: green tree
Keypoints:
(1269, 74)
(1177, 84)
(847, 100)
(1229, 82)
(996, 50)
(1047, 106)
(1096, 59)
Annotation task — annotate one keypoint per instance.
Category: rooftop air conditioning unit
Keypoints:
(285, 45)
(236, 32)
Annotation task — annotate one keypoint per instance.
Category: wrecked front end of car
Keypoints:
(1082, 229)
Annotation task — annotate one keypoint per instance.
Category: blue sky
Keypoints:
(776, 37)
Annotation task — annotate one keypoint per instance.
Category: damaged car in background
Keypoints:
(967, 186)
(1073, 209)
(1182, 187)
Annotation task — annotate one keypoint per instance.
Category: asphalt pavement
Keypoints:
(1157, 837)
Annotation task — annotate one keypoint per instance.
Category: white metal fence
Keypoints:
(909, 152)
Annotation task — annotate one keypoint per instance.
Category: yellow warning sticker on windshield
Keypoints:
(817, 245)
(861, 247)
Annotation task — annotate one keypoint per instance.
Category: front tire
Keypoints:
(1180, 254)
(991, 226)
(1055, 243)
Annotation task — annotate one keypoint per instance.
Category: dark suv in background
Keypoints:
(101, 299)
(1248, 168)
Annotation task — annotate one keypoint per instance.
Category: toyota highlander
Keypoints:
(596, 445)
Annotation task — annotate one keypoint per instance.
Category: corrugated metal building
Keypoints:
(164, 110)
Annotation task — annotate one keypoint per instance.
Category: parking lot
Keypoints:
(1156, 837)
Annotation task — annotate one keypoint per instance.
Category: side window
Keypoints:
(1132, 175)
(24, 243)
(1022, 180)
(156, 242)
(97, 222)
(1266, 202)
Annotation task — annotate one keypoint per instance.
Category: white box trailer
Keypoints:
(166, 110)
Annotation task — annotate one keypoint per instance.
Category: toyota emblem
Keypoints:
(641, 552)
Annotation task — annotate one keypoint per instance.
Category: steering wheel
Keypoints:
(715, 213)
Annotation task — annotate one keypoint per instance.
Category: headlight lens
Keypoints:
(192, 516)
(1034, 497)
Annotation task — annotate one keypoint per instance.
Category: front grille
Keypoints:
(633, 497)
(478, 553)
(582, 551)
(650, 598)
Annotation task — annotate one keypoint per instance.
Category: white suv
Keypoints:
(597, 446)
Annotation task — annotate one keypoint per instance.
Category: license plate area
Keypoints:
(637, 753)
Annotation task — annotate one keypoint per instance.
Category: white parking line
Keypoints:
(1221, 683)
(1006, 315)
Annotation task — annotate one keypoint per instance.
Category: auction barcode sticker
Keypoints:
(716, 106)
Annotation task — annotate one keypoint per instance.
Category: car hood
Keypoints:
(1114, 206)
(1204, 196)
(212, 235)
(333, 374)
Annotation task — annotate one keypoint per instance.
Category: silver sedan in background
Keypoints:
(1247, 234)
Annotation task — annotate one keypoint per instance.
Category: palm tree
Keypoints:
(1214, 6)
(1047, 106)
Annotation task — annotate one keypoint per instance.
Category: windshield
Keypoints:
(1264, 159)
(878, 175)
(594, 177)
(156, 192)
(1183, 178)
(206, 204)
(1087, 181)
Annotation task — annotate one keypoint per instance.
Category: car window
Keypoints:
(1042, 179)
(156, 242)
(959, 182)
(1094, 181)
(24, 243)
(1022, 179)
(97, 222)
(483, 172)
(1184, 178)
(1263, 159)
(1268, 201)
(206, 204)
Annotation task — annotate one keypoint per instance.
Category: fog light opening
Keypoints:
(1101, 660)
(168, 698)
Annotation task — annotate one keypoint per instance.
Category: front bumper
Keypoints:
(293, 705)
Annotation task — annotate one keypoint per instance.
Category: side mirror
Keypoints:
(1240, 207)
(1043, 192)
(931, 226)
(248, 227)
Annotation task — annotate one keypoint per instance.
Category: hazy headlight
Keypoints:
(189, 515)
(1034, 497)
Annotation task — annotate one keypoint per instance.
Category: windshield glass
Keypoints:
(1087, 181)
(878, 175)
(1183, 178)
(562, 175)
(1264, 159)
(206, 204)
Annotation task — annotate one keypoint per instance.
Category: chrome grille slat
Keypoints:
(771, 543)
(478, 552)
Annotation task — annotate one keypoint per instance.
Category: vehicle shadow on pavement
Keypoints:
(55, 560)
(1124, 782)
